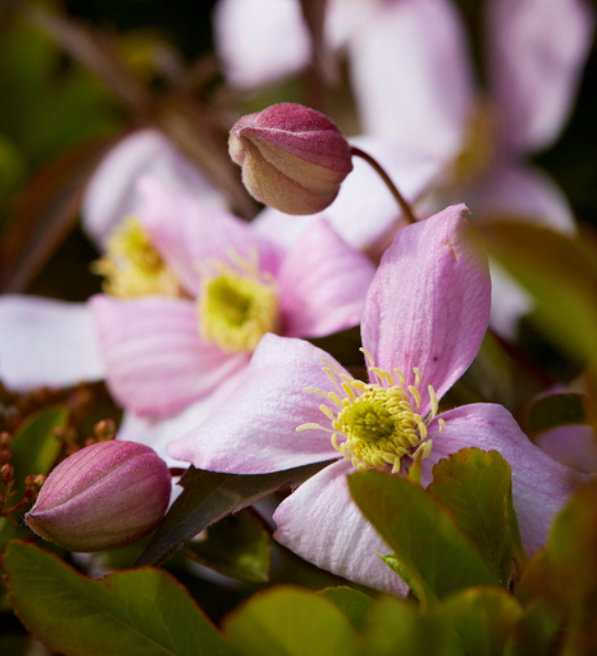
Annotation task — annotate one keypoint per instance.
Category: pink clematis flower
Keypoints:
(425, 316)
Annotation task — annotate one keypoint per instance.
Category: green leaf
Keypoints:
(476, 487)
(438, 557)
(144, 612)
(238, 546)
(289, 621)
(209, 496)
(482, 620)
(353, 603)
(555, 410)
(396, 627)
(34, 447)
(535, 632)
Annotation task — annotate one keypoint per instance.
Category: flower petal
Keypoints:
(428, 305)
(536, 51)
(111, 194)
(257, 432)
(260, 42)
(540, 485)
(411, 75)
(572, 445)
(364, 210)
(321, 523)
(189, 235)
(156, 361)
(47, 342)
(322, 283)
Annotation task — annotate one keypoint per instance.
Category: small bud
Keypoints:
(293, 158)
(105, 495)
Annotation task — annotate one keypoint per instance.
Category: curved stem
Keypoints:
(404, 205)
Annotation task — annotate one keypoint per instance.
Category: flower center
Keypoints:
(237, 308)
(131, 265)
(377, 424)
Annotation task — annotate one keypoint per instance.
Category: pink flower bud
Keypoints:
(105, 495)
(293, 158)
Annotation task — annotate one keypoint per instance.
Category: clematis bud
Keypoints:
(293, 158)
(103, 496)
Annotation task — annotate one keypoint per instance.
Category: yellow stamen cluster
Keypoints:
(377, 424)
(237, 304)
(131, 266)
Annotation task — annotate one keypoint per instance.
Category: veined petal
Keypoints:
(411, 74)
(428, 305)
(540, 485)
(364, 210)
(322, 283)
(112, 194)
(156, 361)
(256, 432)
(321, 523)
(572, 445)
(47, 342)
(537, 50)
(189, 235)
(260, 41)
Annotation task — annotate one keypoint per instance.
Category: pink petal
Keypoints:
(322, 524)
(189, 234)
(111, 194)
(411, 75)
(540, 485)
(259, 41)
(537, 49)
(322, 283)
(364, 210)
(573, 445)
(156, 361)
(428, 305)
(256, 432)
(47, 342)
(509, 302)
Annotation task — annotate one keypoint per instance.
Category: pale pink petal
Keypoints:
(321, 523)
(190, 235)
(47, 342)
(256, 431)
(156, 361)
(364, 211)
(428, 305)
(573, 445)
(260, 41)
(540, 485)
(411, 74)
(111, 194)
(322, 284)
(509, 302)
(521, 192)
(537, 49)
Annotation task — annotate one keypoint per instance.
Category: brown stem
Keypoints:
(402, 202)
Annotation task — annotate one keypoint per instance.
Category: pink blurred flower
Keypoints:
(425, 316)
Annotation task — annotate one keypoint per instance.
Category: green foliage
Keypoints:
(554, 410)
(353, 603)
(143, 612)
(209, 496)
(288, 621)
(433, 552)
(238, 546)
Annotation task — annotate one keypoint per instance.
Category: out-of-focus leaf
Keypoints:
(435, 553)
(535, 632)
(288, 621)
(482, 620)
(396, 626)
(476, 487)
(209, 496)
(238, 546)
(353, 603)
(143, 612)
(34, 447)
(564, 574)
(554, 410)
